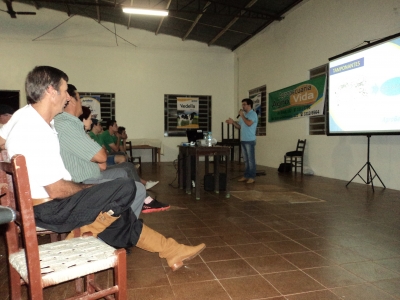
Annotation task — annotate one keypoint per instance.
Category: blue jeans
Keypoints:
(249, 157)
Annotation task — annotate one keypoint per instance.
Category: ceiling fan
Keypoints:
(13, 14)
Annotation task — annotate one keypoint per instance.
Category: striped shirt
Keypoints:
(77, 148)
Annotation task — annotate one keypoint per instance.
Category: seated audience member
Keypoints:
(85, 159)
(118, 161)
(6, 113)
(95, 131)
(124, 137)
(61, 205)
(122, 147)
(86, 118)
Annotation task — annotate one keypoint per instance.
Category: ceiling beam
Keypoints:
(233, 21)
(162, 19)
(219, 8)
(98, 11)
(196, 21)
(129, 17)
(281, 13)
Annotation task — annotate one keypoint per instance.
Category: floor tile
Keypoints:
(190, 273)
(160, 292)
(252, 250)
(286, 247)
(316, 243)
(149, 277)
(341, 255)
(250, 287)
(362, 292)
(231, 268)
(270, 264)
(293, 282)
(211, 290)
(318, 295)
(218, 253)
(333, 276)
(307, 260)
(297, 234)
(370, 271)
(391, 286)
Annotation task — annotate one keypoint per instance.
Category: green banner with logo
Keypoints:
(300, 100)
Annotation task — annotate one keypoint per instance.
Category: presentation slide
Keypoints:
(364, 91)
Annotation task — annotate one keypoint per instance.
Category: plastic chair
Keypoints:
(296, 158)
(53, 263)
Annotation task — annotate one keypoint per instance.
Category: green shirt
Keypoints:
(96, 137)
(108, 139)
(76, 148)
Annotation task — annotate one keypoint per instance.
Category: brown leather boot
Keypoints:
(167, 248)
(102, 221)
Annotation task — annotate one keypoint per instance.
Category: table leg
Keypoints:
(181, 157)
(197, 177)
(207, 164)
(216, 173)
(188, 176)
(227, 187)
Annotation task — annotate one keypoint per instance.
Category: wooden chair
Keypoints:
(231, 141)
(133, 158)
(296, 158)
(53, 263)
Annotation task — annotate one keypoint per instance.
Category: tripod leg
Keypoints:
(376, 174)
(358, 173)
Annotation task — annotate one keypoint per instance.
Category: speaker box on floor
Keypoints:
(209, 182)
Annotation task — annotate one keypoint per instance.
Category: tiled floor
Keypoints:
(346, 246)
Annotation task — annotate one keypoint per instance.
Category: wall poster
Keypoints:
(187, 112)
(300, 100)
(93, 102)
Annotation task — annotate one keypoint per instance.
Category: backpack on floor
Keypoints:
(285, 168)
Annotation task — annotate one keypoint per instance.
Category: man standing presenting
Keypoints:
(247, 124)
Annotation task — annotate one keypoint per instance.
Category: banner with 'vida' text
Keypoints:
(300, 100)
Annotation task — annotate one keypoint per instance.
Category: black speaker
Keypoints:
(209, 182)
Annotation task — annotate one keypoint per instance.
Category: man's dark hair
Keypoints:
(86, 112)
(5, 109)
(121, 129)
(39, 79)
(110, 123)
(248, 102)
(71, 90)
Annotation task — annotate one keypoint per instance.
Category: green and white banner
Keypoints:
(300, 100)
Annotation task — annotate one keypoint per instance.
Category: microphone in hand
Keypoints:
(238, 115)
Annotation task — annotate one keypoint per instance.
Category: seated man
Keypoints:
(61, 205)
(85, 159)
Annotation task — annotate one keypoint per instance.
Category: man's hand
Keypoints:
(102, 166)
(230, 121)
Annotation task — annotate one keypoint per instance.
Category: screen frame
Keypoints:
(361, 133)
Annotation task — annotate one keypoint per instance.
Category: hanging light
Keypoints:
(149, 12)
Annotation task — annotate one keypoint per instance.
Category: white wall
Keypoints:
(139, 75)
(283, 54)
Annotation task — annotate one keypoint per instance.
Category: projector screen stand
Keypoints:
(369, 166)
